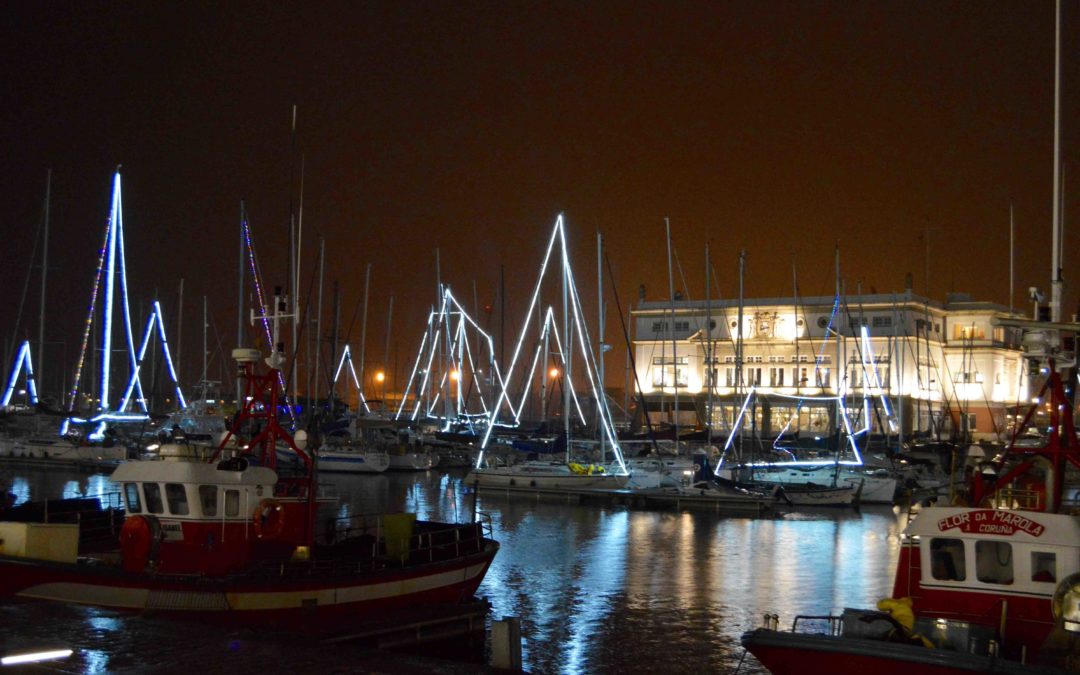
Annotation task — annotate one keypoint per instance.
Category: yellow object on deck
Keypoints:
(397, 530)
(900, 610)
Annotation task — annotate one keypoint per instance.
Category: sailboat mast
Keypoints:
(841, 365)
(386, 354)
(1012, 247)
(205, 325)
(240, 304)
(710, 368)
(363, 335)
(44, 276)
(318, 316)
(671, 329)
(600, 338)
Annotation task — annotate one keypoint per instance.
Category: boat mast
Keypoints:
(671, 332)
(240, 305)
(179, 330)
(44, 276)
(600, 337)
(739, 354)
(318, 316)
(710, 378)
(363, 337)
(386, 354)
(1056, 282)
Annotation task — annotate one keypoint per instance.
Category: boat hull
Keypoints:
(304, 602)
(503, 478)
(785, 653)
(353, 462)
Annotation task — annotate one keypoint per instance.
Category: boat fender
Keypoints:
(269, 519)
(140, 541)
(899, 610)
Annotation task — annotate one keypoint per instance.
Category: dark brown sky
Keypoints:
(779, 127)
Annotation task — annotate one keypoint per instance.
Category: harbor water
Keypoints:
(596, 589)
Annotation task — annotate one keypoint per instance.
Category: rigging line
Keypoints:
(25, 292)
(630, 356)
(90, 316)
(300, 333)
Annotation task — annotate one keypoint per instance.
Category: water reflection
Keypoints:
(599, 589)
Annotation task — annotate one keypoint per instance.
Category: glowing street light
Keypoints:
(455, 375)
(380, 376)
(553, 373)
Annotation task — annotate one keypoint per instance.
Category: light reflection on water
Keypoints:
(611, 589)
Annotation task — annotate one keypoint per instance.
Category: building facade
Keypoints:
(901, 364)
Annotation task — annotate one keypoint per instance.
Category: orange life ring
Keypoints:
(140, 540)
(269, 519)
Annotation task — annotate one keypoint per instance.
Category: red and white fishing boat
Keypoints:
(990, 587)
(234, 540)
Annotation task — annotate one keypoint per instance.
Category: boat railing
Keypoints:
(826, 624)
(370, 537)
(1017, 498)
(99, 517)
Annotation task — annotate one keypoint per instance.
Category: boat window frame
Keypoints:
(156, 500)
(208, 494)
(945, 555)
(177, 500)
(1038, 566)
(983, 552)
(132, 490)
(233, 509)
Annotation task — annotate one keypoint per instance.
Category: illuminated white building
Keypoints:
(901, 360)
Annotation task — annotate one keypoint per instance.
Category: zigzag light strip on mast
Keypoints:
(138, 363)
(110, 266)
(521, 339)
(346, 354)
(125, 296)
(168, 356)
(22, 361)
(89, 320)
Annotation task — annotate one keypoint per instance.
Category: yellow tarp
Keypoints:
(397, 529)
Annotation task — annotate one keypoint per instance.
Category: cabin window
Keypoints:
(232, 502)
(947, 561)
(994, 562)
(1043, 567)
(133, 503)
(208, 499)
(177, 496)
(153, 498)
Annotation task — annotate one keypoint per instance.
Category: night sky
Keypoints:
(784, 128)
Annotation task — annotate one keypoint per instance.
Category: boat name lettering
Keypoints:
(990, 521)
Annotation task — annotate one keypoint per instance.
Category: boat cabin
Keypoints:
(195, 517)
(989, 566)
